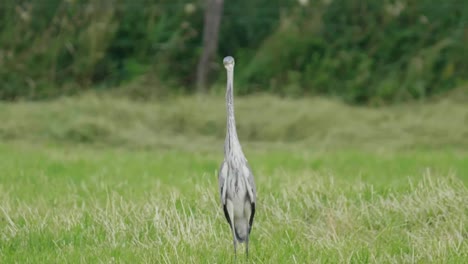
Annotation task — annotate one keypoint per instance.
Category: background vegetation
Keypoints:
(360, 51)
(179, 122)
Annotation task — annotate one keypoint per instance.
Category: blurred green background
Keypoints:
(360, 51)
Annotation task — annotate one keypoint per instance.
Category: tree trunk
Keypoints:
(213, 13)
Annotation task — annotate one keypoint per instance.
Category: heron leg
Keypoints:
(247, 247)
(230, 209)
(234, 243)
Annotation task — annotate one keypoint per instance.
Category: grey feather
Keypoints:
(222, 175)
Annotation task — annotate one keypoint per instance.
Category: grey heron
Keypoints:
(236, 181)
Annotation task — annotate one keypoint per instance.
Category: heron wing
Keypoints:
(222, 176)
(251, 216)
(226, 214)
(252, 195)
(252, 189)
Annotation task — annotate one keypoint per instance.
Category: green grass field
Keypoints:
(107, 180)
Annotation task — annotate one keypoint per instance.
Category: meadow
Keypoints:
(101, 179)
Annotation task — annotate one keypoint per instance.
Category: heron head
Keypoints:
(228, 62)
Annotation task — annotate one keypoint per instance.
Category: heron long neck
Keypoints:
(232, 147)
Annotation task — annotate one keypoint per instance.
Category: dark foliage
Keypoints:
(361, 51)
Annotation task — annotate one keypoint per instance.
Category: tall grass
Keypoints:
(99, 179)
(74, 204)
(105, 120)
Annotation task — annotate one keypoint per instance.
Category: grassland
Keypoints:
(107, 180)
